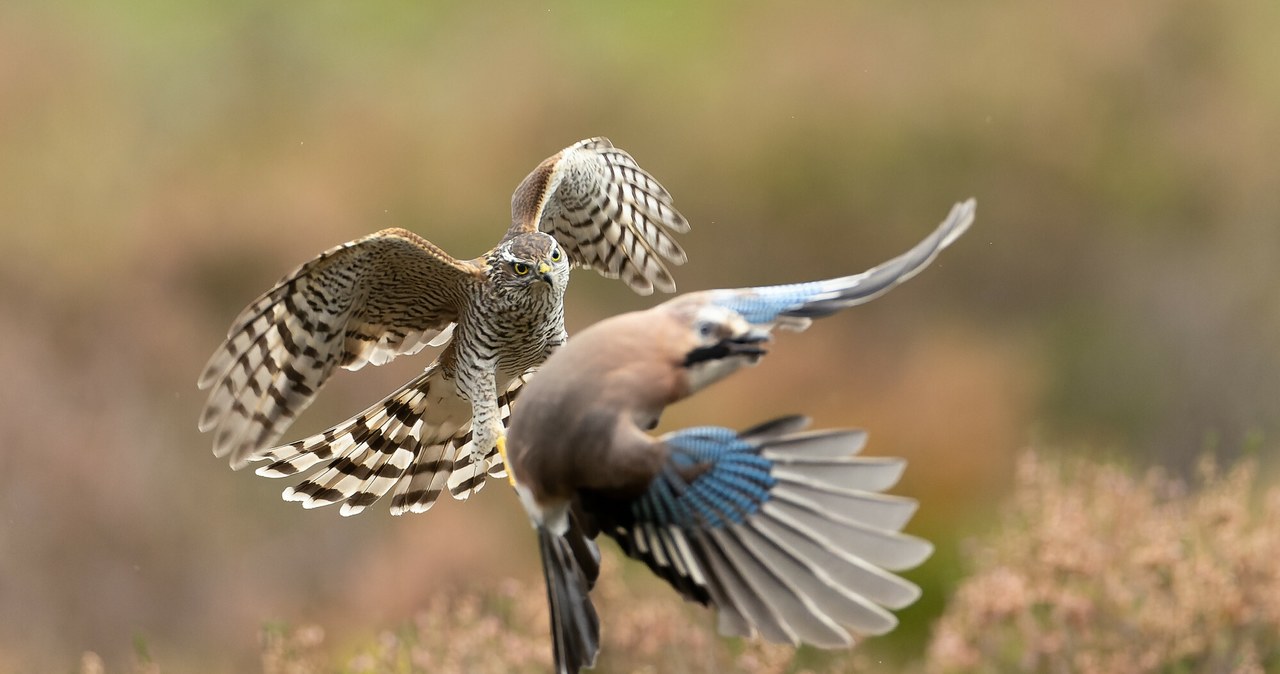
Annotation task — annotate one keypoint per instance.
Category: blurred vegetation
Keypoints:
(162, 163)
(1091, 570)
(1095, 571)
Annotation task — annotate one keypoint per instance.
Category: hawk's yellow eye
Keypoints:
(520, 268)
(555, 255)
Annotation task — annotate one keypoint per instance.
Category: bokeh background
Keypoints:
(162, 163)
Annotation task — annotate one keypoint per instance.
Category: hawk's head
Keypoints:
(531, 261)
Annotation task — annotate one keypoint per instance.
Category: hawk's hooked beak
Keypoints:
(544, 272)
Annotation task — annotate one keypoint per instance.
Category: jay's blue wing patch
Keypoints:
(782, 532)
(712, 478)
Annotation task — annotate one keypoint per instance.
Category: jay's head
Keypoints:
(530, 261)
(720, 341)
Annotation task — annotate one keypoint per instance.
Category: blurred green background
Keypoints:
(162, 163)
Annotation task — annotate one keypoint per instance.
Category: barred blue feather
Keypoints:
(734, 488)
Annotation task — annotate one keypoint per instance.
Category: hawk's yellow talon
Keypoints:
(506, 463)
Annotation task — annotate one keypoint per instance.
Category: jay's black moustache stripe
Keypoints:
(724, 349)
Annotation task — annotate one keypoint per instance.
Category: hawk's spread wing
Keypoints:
(607, 212)
(365, 301)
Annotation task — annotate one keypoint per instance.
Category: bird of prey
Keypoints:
(782, 532)
(393, 293)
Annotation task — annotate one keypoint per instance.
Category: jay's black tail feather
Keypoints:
(575, 629)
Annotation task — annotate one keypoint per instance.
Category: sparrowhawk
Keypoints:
(393, 293)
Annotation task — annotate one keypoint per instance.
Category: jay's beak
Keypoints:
(747, 344)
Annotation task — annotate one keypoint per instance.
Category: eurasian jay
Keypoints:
(782, 531)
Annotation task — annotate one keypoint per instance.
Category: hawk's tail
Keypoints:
(409, 444)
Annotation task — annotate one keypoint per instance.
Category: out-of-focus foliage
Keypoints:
(1091, 570)
(1094, 571)
(163, 163)
(505, 629)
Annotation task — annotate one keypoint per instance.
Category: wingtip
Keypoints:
(911, 594)
(857, 440)
(895, 467)
(215, 409)
(959, 220)
(238, 462)
(645, 290)
(592, 143)
(922, 551)
(211, 372)
(411, 509)
(890, 624)
(680, 224)
(273, 470)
